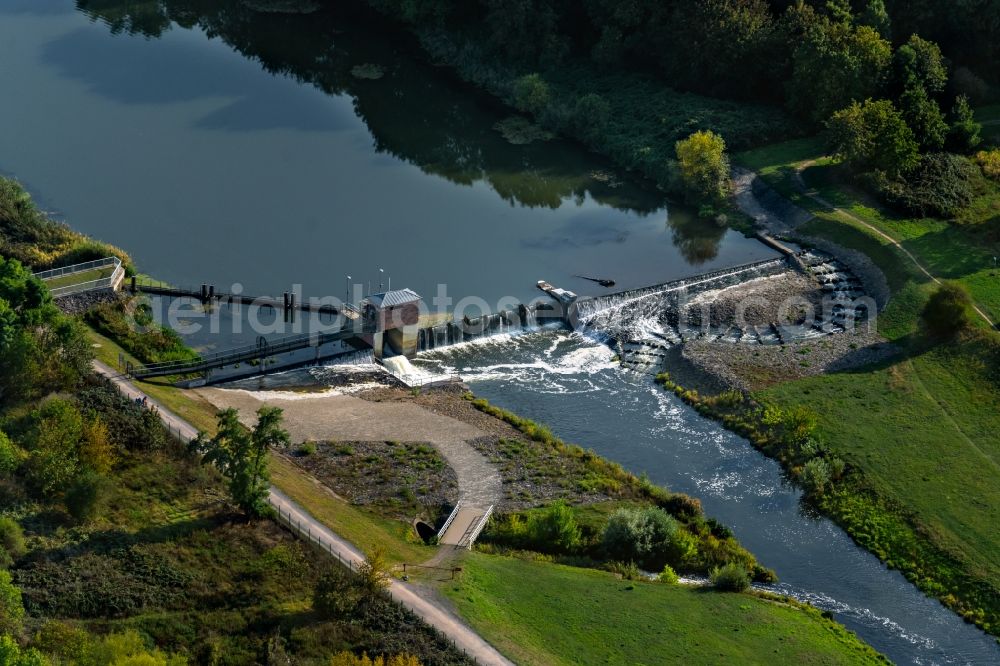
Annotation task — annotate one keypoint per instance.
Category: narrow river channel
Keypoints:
(219, 145)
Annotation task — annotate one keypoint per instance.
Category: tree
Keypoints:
(873, 136)
(924, 117)
(704, 166)
(53, 446)
(877, 18)
(835, 64)
(242, 456)
(964, 134)
(948, 312)
(919, 62)
(96, 450)
(11, 605)
(373, 573)
(11, 654)
(11, 541)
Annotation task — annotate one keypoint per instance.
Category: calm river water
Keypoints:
(221, 145)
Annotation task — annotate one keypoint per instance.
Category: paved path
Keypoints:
(301, 521)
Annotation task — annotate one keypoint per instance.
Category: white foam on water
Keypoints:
(862, 615)
(265, 395)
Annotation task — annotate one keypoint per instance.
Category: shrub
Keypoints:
(86, 496)
(11, 541)
(349, 659)
(648, 536)
(11, 654)
(554, 529)
(307, 449)
(11, 605)
(989, 162)
(816, 475)
(730, 578)
(948, 311)
(668, 575)
(531, 93)
(335, 595)
(128, 425)
(627, 570)
(940, 185)
(10, 455)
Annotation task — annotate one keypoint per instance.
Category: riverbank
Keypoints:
(912, 434)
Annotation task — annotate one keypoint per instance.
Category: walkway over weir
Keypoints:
(259, 352)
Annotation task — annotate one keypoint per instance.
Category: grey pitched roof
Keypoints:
(391, 299)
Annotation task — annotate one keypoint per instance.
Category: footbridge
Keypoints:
(256, 355)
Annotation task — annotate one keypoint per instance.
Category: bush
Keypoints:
(531, 93)
(11, 541)
(86, 496)
(668, 575)
(989, 162)
(730, 578)
(948, 312)
(11, 605)
(940, 185)
(10, 455)
(627, 570)
(336, 595)
(307, 449)
(816, 476)
(554, 529)
(129, 426)
(648, 536)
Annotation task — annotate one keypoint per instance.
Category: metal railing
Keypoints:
(247, 353)
(109, 282)
(479, 528)
(451, 518)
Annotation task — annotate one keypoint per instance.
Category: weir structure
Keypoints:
(641, 324)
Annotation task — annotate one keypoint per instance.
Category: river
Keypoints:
(220, 145)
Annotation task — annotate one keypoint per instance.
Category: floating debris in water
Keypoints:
(368, 70)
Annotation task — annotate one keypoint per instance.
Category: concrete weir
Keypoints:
(643, 324)
(639, 323)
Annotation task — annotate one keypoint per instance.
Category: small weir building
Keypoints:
(395, 318)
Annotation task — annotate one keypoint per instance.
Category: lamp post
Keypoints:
(347, 293)
(381, 274)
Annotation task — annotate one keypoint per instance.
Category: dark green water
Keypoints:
(241, 148)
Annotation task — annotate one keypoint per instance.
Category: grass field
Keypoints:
(923, 429)
(80, 278)
(539, 613)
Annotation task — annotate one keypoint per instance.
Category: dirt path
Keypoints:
(815, 196)
(301, 521)
(337, 417)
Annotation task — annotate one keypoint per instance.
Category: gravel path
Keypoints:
(336, 417)
(301, 521)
